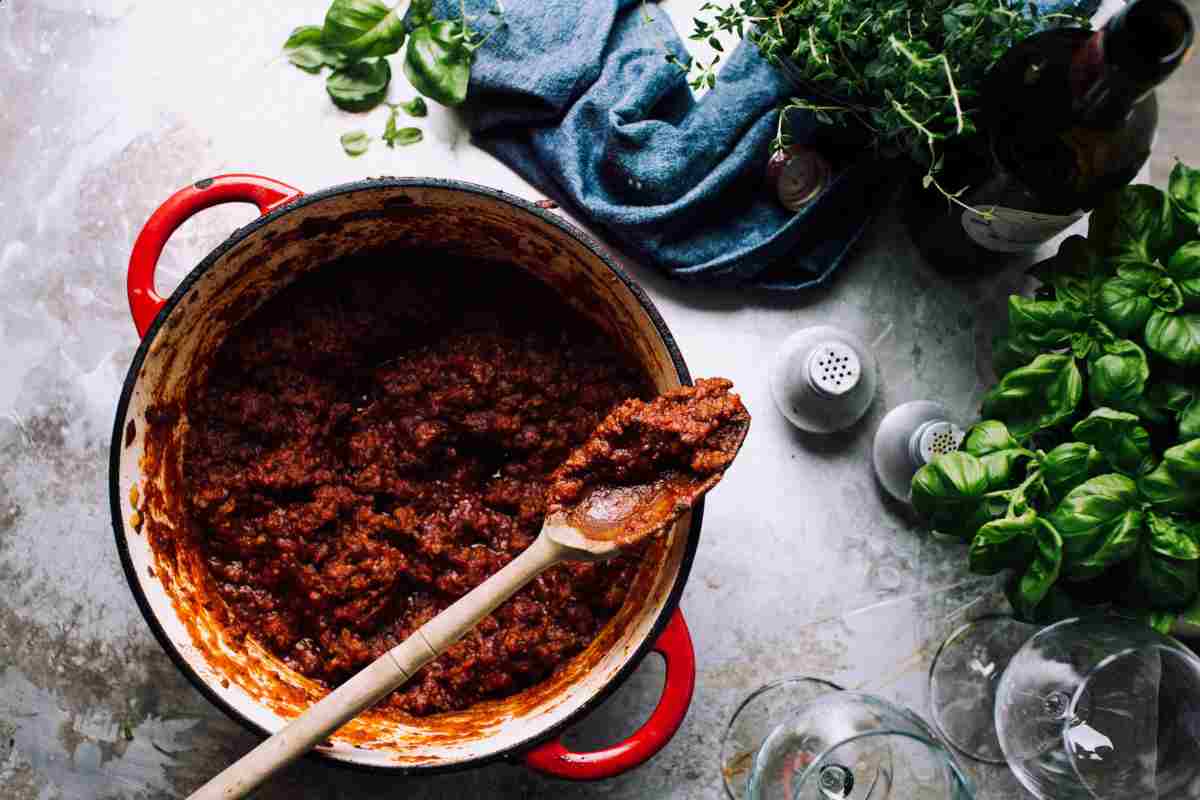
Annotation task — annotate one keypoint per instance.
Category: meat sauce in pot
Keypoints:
(376, 441)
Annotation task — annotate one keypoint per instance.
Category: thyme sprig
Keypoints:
(909, 71)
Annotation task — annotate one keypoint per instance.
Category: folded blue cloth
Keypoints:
(578, 98)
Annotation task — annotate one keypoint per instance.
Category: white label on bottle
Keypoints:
(1010, 230)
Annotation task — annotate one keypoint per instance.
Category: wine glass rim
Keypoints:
(766, 687)
(1169, 644)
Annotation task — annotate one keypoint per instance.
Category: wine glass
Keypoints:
(1097, 708)
(853, 746)
(754, 720)
(962, 683)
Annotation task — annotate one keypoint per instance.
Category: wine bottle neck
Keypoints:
(1122, 62)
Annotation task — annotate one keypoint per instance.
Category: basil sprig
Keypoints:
(359, 35)
(1084, 478)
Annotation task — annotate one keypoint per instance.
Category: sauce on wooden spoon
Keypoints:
(649, 462)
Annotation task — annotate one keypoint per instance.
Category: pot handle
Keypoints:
(267, 194)
(675, 646)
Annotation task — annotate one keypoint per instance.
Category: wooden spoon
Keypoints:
(675, 448)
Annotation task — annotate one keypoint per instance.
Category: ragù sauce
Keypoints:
(376, 441)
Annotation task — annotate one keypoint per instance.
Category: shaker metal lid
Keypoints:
(833, 368)
(823, 379)
(908, 438)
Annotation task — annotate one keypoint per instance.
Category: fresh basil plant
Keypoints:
(1084, 477)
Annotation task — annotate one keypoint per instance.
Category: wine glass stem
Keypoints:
(1056, 705)
(836, 782)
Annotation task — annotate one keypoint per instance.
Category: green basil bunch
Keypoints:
(359, 35)
(1084, 477)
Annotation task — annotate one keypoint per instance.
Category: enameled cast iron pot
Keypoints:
(298, 233)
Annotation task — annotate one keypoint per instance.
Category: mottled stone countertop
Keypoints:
(111, 105)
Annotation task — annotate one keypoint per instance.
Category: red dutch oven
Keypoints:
(298, 233)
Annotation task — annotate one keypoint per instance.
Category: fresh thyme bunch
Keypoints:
(907, 70)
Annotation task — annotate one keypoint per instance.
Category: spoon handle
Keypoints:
(383, 675)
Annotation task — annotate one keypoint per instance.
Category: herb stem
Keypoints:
(902, 111)
(953, 93)
(910, 72)
(1019, 492)
(812, 44)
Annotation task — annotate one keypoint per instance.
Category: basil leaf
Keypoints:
(948, 491)
(355, 143)
(986, 437)
(1168, 402)
(1125, 306)
(1001, 467)
(1152, 414)
(1136, 222)
(420, 13)
(1165, 295)
(359, 86)
(1100, 523)
(406, 136)
(415, 107)
(1161, 621)
(1037, 396)
(1173, 537)
(1086, 343)
(1119, 437)
(1045, 323)
(389, 129)
(306, 49)
(1043, 570)
(993, 506)
(997, 451)
(1069, 465)
(1175, 337)
(1163, 402)
(437, 63)
(393, 134)
(1184, 189)
(1081, 345)
(1117, 542)
(1170, 395)
(1189, 420)
(1010, 352)
(1002, 543)
(1162, 582)
(1166, 492)
(1117, 374)
(1140, 273)
(1184, 269)
(1076, 273)
(1174, 485)
(363, 28)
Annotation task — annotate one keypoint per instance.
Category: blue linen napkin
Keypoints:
(578, 98)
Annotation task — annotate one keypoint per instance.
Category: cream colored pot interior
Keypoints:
(243, 675)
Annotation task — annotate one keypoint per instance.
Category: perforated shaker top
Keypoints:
(938, 438)
(834, 368)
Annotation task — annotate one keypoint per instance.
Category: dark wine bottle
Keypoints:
(1069, 115)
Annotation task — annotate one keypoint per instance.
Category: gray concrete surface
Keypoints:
(804, 568)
